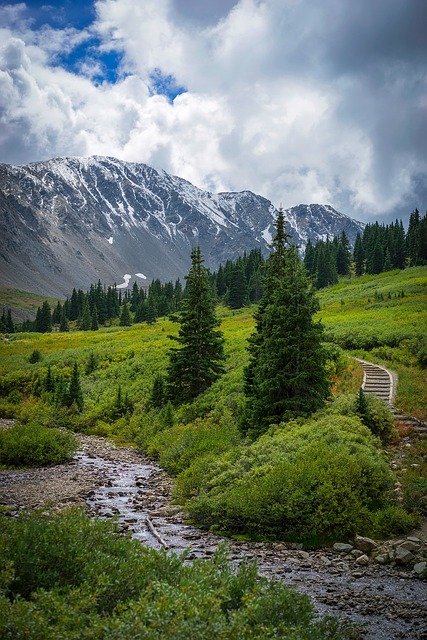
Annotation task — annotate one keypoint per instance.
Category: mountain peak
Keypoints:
(70, 221)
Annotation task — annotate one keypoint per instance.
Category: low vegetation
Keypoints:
(24, 445)
(78, 579)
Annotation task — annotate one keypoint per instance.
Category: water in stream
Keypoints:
(390, 603)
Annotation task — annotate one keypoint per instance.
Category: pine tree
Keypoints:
(91, 364)
(44, 319)
(56, 315)
(237, 293)
(10, 327)
(358, 256)
(63, 326)
(286, 375)
(199, 361)
(125, 319)
(49, 381)
(157, 398)
(75, 395)
(86, 319)
(94, 323)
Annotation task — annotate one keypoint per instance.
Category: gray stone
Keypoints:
(363, 560)
(420, 568)
(403, 556)
(365, 544)
(382, 558)
(342, 547)
(409, 545)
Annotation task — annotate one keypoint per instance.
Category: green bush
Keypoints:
(393, 520)
(314, 482)
(180, 445)
(71, 578)
(27, 445)
(377, 416)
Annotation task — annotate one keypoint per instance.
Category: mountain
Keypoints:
(68, 222)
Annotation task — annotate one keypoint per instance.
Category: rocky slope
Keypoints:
(68, 222)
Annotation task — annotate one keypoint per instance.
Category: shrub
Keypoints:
(393, 520)
(34, 446)
(71, 578)
(36, 356)
(373, 412)
(312, 481)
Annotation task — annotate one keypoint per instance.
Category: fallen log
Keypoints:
(156, 534)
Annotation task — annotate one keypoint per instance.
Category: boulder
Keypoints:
(362, 560)
(365, 544)
(409, 545)
(420, 568)
(403, 556)
(342, 547)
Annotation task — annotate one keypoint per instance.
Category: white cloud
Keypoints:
(275, 103)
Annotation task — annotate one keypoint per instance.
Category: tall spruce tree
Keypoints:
(125, 318)
(74, 394)
(286, 375)
(198, 362)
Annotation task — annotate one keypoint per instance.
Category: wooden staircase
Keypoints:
(382, 383)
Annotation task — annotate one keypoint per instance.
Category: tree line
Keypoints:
(101, 305)
(380, 247)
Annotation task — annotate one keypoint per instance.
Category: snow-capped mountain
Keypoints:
(68, 222)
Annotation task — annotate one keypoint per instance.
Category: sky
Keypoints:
(300, 101)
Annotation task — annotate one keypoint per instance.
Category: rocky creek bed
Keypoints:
(388, 601)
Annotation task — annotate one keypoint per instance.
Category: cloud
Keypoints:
(297, 100)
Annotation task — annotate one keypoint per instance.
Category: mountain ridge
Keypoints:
(70, 221)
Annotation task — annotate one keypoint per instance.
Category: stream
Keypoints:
(387, 603)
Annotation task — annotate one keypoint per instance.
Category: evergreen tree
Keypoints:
(49, 381)
(94, 323)
(198, 362)
(125, 319)
(63, 326)
(286, 375)
(10, 327)
(157, 398)
(56, 315)
(343, 255)
(358, 256)
(237, 292)
(86, 319)
(74, 306)
(74, 394)
(44, 319)
(92, 363)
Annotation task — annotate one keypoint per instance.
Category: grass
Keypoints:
(17, 299)
(370, 318)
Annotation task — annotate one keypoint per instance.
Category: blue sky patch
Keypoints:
(165, 85)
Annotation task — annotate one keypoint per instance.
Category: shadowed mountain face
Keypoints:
(68, 222)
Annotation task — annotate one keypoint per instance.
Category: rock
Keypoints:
(420, 568)
(356, 553)
(362, 560)
(342, 547)
(365, 544)
(409, 545)
(413, 539)
(403, 556)
(325, 561)
(382, 558)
